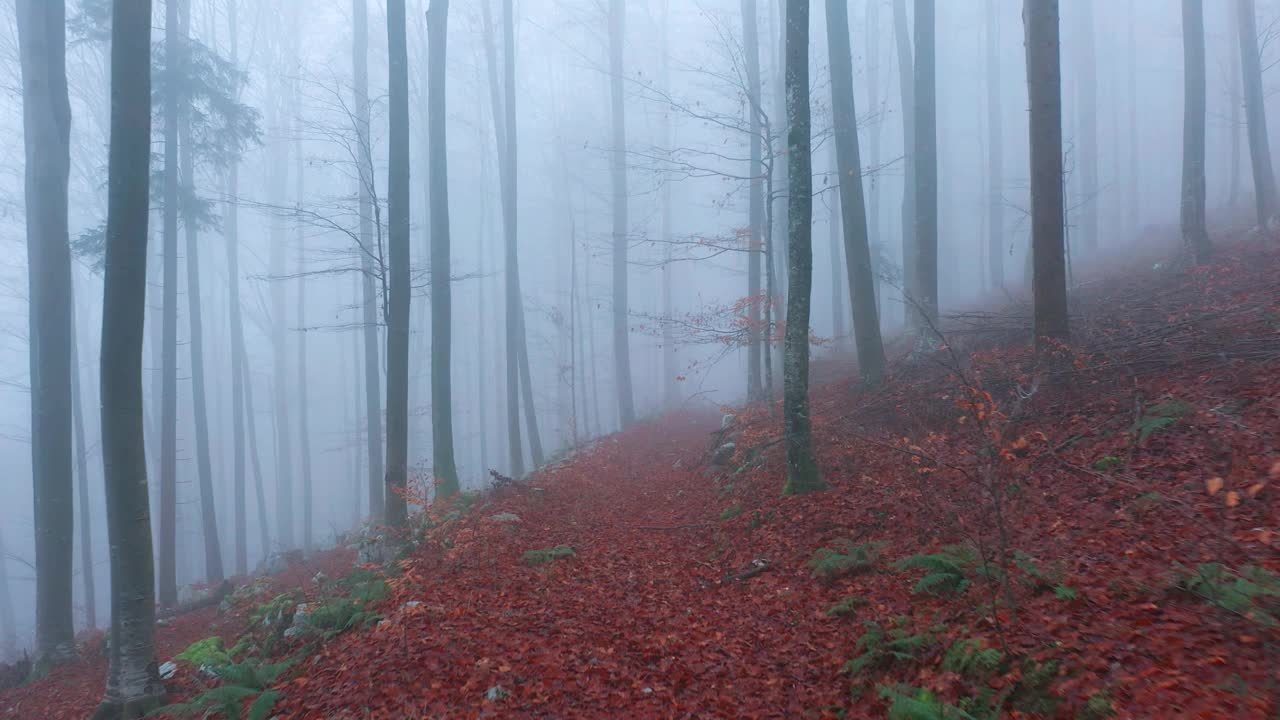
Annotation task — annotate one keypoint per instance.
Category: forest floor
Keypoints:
(1095, 535)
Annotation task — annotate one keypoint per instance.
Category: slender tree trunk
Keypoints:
(836, 237)
(802, 466)
(372, 363)
(621, 329)
(281, 362)
(755, 212)
(877, 127)
(47, 133)
(304, 383)
(777, 244)
(907, 98)
(445, 469)
(133, 685)
(1195, 233)
(1135, 198)
(1264, 179)
(926, 170)
(398, 262)
(260, 493)
(82, 482)
(670, 386)
(1044, 94)
(199, 405)
(231, 231)
(1233, 128)
(857, 249)
(169, 316)
(1087, 117)
(8, 624)
(995, 151)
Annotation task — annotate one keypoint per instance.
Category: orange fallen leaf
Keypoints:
(1233, 499)
(1254, 489)
(1275, 470)
(1213, 485)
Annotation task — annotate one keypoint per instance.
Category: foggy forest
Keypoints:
(908, 359)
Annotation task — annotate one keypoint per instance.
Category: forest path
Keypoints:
(643, 620)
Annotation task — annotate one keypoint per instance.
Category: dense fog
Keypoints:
(275, 105)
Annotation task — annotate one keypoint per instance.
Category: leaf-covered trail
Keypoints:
(641, 622)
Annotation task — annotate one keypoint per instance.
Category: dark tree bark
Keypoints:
(445, 468)
(926, 165)
(802, 464)
(853, 208)
(398, 267)
(621, 328)
(907, 99)
(47, 133)
(133, 685)
(231, 231)
(995, 151)
(755, 211)
(1195, 233)
(1264, 179)
(174, 52)
(1044, 93)
(372, 364)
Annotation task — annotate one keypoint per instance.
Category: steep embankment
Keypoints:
(1090, 537)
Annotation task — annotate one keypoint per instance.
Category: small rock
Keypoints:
(727, 421)
(647, 691)
(724, 453)
(495, 693)
(505, 517)
(168, 670)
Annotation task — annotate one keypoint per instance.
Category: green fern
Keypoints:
(969, 658)
(880, 648)
(846, 606)
(1159, 416)
(846, 558)
(224, 700)
(945, 572)
(909, 703)
(1253, 592)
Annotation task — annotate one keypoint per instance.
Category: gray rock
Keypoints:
(168, 670)
(504, 517)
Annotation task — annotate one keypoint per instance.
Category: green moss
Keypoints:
(546, 555)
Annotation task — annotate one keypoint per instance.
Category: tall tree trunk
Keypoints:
(260, 493)
(82, 482)
(853, 209)
(1044, 94)
(995, 151)
(836, 237)
(621, 329)
(1233, 127)
(907, 100)
(755, 212)
(398, 267)
(281, 362)
(1087, 118)
(174, 52)
(444, 466)
(8, 623)
(199, 406)
(926, 168)
(1134, 195)
(1195, 233)
(304, 384)
(47, 134)
(877, 127)
(802, 465)
(1264, 179)
(133, 685)
(364, 164)
(777, 244)
(511, 136)
(670, 386)
(231, 231)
